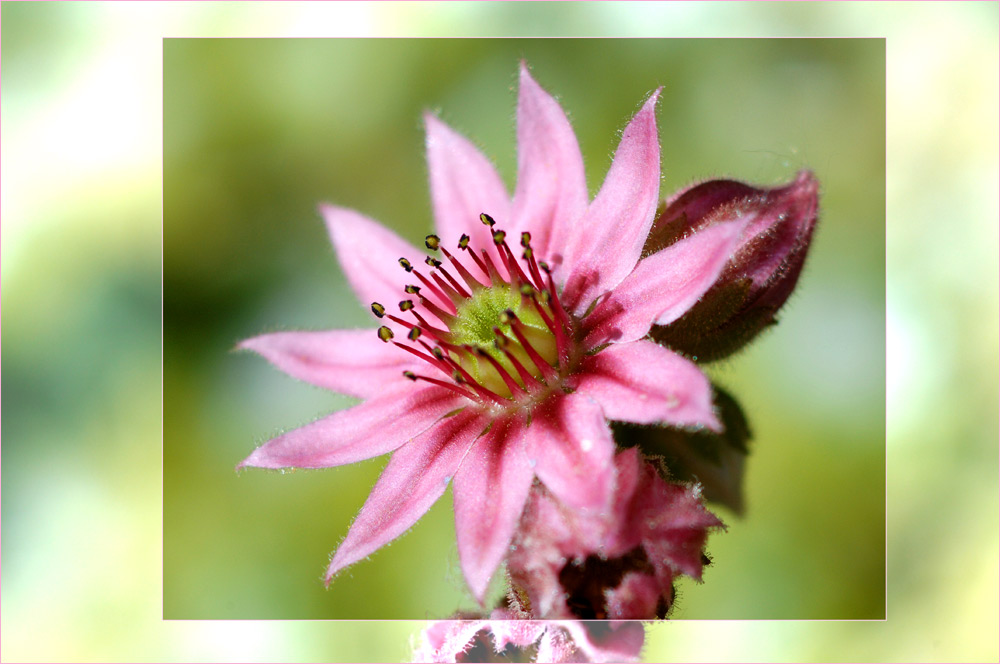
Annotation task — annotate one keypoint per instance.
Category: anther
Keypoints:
(433, 262)
(463, 242)
(525, 239)
(527, 290)
(385, 334)
(544, 267)
(487, 219)
(406, 305)
(498, 237)
(437, 352)
(412, 376)
(406, 264)
(432, 242)
(413, 334)
(411, 289)
(378, 310)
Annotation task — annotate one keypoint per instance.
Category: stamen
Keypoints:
(413, 334)
(443, 335)
(462, 376)
(529, 257)
(406, 264)
(556, 305)
(473, 283)
(447, 275)
(446, 300)
(507, 257)
(463, 244)
(491, 269)
(562, 347)
(406, 305)
(508, 380)
(500, 343)
(434, 381)
(378, 310)
(433, 262)
(435, 332)
(443, 315)
(432, 242)
(486, 219)
(385, 334)
(548, 373)
(454, 296)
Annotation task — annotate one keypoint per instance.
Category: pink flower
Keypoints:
(529, 640)
(565, 564)
(497, 370)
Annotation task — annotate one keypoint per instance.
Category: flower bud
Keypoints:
(759, 276)
(615, 566)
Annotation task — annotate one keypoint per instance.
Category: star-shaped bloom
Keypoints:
(502, 369)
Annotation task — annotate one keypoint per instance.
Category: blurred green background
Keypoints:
(255, 133)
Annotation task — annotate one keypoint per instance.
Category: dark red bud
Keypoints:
(763, 271)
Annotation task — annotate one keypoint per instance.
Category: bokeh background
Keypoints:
(256, 132)
(895, 325)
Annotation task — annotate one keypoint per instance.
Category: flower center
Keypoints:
(496, 333)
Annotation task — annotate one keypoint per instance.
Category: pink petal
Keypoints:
(571, 446)
(353, 362)
(509, 630)
(645, 383)
(416, 476)
(491, 488)
(637, 595)
(556, 646)
(607, 241)
(369, 254)
(447, 640)
(551, 189)
(621, 641)
(663, 286)
(367, 430)
(464, 184)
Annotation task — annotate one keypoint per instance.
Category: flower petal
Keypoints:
(369, 254)
(571, 447)
(662, 286)
(608, 240)
(646, 383)
(491, 488)
(367, 430)
(551, 191)
(615, 641)
(416, 476)
(464, 184)
(353, 362)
